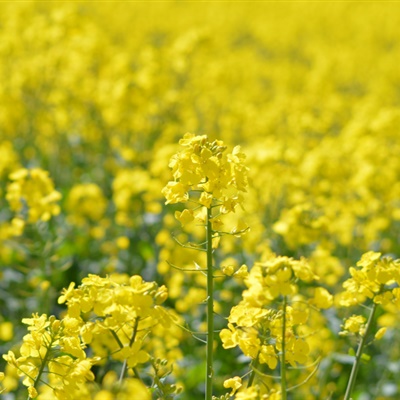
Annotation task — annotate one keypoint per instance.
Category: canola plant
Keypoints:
(199, 199)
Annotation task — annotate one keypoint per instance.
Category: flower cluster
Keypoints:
(248, 393)
(207, 176)
(118, 313)
(112, 316)
(127, 187)
(52, 356)
(375, 277)
(86, 203)
(268, 334)
(8, 159)
(275, 277)
(258, 333)
(32, 191)
(129, 389)
(9, 229)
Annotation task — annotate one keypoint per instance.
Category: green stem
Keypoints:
(42, 366)
(210, 309)
(357, 361)
(283, 352)
(117, 339)
(253, 372)
(125, 364)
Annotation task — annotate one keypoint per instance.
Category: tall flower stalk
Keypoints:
(283, 352)
(357, 360)
(210, 308)
(376, 278)
(212, 181)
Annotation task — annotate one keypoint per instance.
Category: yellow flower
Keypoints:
(381, 332)
(354, 323)
(250, 393)
(32, 392)
(229, 337)
(104, 395)
(184, 217)
(368, 259)
(123, 242)
(322, 298)
(373, 278)
(234, 383)
(242, 272)
(228, 270)
(175, 192)
(205, 174)
(383, 298)
(216, 224)
(8, 158)
(66, 293)
(206, 199)
(296, 351)
(86, 202)
(240, 228)
(6, 331)
(36, 189)
(268, 356)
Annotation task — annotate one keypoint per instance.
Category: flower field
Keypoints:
(200, 200)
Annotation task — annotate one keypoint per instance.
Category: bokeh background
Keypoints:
(95, 97)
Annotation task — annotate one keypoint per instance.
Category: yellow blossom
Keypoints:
(354, 323)
(234, 383)
(268, 356)
(36, 189)
(123, 242)
(322, 298)
(204, 173)
(184, 217)
(32, 392)
(380, 333)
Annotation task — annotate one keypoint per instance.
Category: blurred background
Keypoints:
(94, 99)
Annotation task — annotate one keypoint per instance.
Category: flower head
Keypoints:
(206, 175)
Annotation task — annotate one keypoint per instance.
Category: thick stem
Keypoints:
(210, 309)
(283, 351)
(357, 361)
(125, 364)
